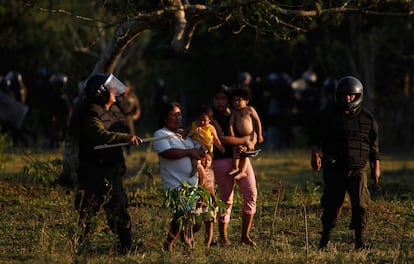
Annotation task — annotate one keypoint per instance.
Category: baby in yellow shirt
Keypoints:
(204, 133)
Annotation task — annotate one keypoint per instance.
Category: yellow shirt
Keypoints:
(203, 134)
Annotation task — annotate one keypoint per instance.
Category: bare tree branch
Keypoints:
(184, 17)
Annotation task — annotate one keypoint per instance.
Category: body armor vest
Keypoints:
(348, 138)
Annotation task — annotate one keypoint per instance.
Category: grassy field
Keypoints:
(38, 221)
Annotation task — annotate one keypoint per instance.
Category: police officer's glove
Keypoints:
(316, 161)
(134, 140)
(375, 171)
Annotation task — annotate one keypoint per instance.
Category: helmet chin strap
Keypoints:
(352, 111)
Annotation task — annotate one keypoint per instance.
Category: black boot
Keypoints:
(124, 235)
(326, 236)
(360, 242)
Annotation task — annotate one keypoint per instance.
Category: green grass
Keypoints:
(38, 220)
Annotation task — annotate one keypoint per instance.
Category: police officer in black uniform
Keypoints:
(347, 134)
(98, 121)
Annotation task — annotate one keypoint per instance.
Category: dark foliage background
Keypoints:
(376, 49)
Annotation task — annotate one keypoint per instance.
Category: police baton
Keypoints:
(149, 139)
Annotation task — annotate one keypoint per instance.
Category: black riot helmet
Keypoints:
(97, 88)
(349, 85)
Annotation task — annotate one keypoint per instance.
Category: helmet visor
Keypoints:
(112, 83)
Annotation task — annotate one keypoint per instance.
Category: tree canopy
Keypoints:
(195, 44)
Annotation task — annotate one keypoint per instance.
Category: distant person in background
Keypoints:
(130, 107)
(327, 93)
(37, 97)
(59, 110)
(279, 111)
(157, 101)
(347, 134)
(159, 97)
(15, 86)
(309, 99)
(13, 109)
(246, 80)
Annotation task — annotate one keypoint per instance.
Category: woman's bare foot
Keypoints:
(224, 243)
(248, 241)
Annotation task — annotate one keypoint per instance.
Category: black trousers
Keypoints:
(339, 180)
(101, 188)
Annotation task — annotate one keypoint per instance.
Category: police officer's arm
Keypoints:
(316, 160)
(315, 142)
(97, 134)
(374, 157)
(375, 171)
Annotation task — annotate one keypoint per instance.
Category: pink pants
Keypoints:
(225, 183)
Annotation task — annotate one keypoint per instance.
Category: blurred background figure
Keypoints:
(153, 106)
(327, 94)
(159, 97)
(37, 101)
(306, 96)
(130, 106)
(244, 79)
(13, 109)
(59, 108)
(254, 84)
(279, 111)
(15, 86)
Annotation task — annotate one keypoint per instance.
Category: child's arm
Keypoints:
(201, 174)
(257, 124)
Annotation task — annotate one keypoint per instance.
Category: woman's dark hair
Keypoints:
(165, 110)
(222, 88)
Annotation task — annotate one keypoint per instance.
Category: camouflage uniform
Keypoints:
(100, 171)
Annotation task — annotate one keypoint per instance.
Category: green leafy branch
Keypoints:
(184, 200)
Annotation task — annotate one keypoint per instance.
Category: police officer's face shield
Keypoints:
(114, 84)
(349, 101)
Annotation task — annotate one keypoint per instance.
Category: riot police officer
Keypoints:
(98, 121)
(347, 134)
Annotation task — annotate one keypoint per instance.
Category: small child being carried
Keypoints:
(203, 133)
(244, 121)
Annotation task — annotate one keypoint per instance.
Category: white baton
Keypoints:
(149, 139)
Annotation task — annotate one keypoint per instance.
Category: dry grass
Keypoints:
(38, 220)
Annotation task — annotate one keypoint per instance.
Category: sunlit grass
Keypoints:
(38, 220)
